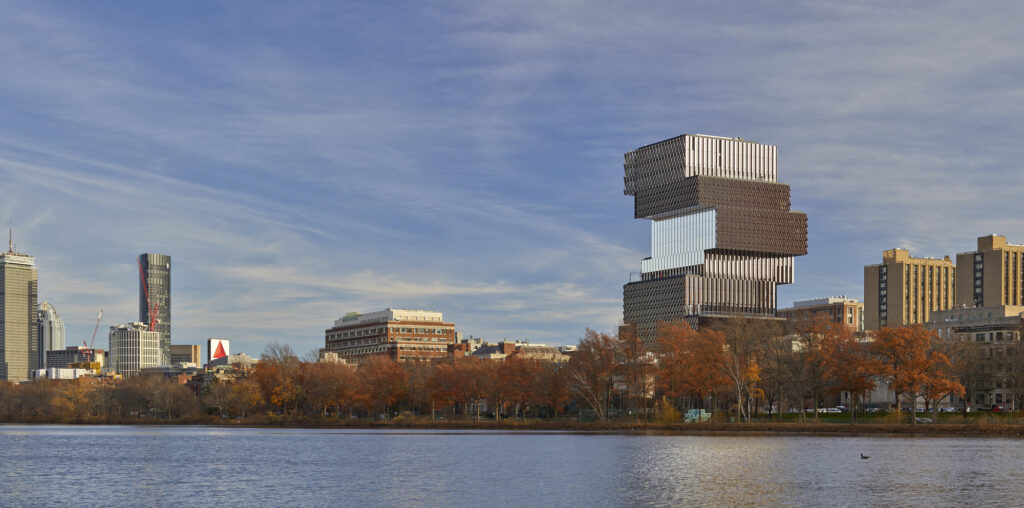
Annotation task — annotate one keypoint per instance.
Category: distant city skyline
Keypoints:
(303, 160)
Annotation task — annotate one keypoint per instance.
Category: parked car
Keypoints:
(696, 416)
(998, 409)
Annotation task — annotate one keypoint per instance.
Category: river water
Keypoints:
(54, 465)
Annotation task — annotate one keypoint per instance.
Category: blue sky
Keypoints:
(299, 160)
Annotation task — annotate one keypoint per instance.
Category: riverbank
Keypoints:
(975, 428)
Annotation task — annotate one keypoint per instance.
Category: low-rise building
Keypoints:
(995, 333)
(74, 354)
(836, 309)
(185, 354)
(403, 335)
(61, 373)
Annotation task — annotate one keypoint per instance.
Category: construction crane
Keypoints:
(152, 309)
(88, 347)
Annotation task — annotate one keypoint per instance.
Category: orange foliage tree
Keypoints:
(690, 362)
(911, 364)
(383, 382)
(848, 364)
(591, 371)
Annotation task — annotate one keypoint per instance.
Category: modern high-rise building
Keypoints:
(905, 290)
(156, 270)
(19, 316)
(991, 276)
(51, 332)
(133, 348)
(722, 233)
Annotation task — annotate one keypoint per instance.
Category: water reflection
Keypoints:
(165, 465)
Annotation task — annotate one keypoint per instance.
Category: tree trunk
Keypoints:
(913, 408)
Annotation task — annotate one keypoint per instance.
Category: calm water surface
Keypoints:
(56, 465)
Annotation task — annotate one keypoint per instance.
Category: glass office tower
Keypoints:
(722, 234)
(156, 268)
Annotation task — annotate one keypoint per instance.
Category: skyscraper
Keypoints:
(722, 234)
(156, 276)
(19, 346)
(51, 332)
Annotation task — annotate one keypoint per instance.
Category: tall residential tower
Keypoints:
(905, 290)
(19, 342)
(992, 275)
(156, 271)
(722, 233)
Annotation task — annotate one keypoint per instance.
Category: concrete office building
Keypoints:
(133, 348)
(836, 309)
(19, 316)
(992, 275)
(722, 233)
(905, 290)
(51, 332)
(156, 269)
(404, 335)
(185, 353)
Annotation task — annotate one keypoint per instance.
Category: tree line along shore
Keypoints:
(744, 374)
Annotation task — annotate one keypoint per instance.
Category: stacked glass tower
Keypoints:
(722, 234)
(156, 269)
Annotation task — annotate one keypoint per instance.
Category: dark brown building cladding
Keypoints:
(420, 337)
(708, 191)
(722, 238)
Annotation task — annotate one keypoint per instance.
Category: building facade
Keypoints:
(185, 353)
(403, 335)
(156, 270)
(19, 316)
(837, 309)
(995, 334)
(51, 332)
(133, 348)
(992, 275)
(61, 358)
(905, 290)
(722, 233)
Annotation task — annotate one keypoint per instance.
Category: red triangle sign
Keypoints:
(219, 353)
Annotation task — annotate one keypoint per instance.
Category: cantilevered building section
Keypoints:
(722, 233)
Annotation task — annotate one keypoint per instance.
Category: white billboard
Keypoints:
(217, 348)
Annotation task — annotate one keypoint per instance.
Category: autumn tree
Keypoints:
(217, 395)
(278, 374)
(910, 363)
(550, 390)
(637, 365)
(848, 364)
(384, 383)
(780, 372)
(810, 335)
(245, 395)
(690, 363)
(969, 367)
(591, 371)
(519, 376)
(744, 343)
